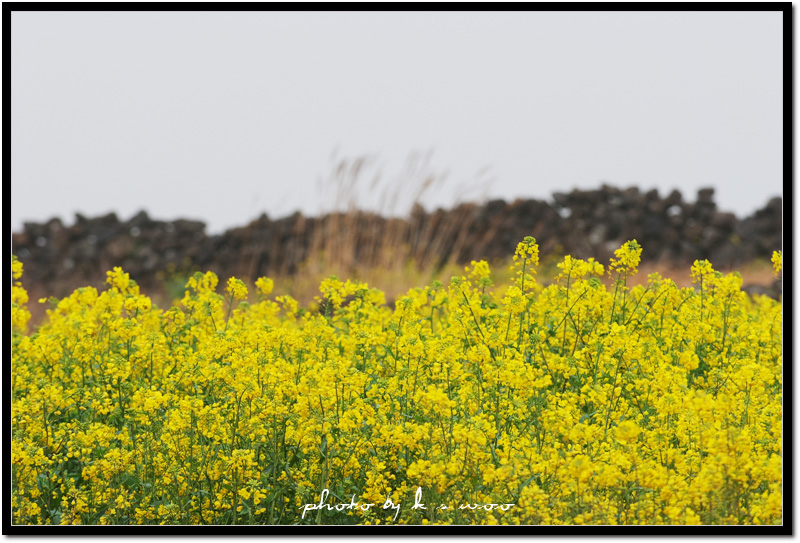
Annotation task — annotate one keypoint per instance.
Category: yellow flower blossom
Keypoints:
(627, 258)
(236, 289)
(777, 262)
(511, 404)
(264, 285)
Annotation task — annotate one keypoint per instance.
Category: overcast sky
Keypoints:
(220, 116)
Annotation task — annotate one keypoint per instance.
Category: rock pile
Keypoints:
(583, 223)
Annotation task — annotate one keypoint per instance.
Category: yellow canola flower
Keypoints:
(702, 270)
(575, 268)
(236, 289)
(16, 267)
(118, 279)
(653, 405)
(627, 431)
(777, 262)
(528, 250)
(478, 271)
(19, 298)
(627, 258)
(265, 285)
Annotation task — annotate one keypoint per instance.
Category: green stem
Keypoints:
(228, 316)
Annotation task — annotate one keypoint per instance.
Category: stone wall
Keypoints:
(583, 223)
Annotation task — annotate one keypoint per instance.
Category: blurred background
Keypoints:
(390, 146)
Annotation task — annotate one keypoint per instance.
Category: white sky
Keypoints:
(222, 116)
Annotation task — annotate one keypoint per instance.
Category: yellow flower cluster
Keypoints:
(777, 262)
(265, 285)
(628, 257)
(19, 297)
(514, 404)
(236, 289)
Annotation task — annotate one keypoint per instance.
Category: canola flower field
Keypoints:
(572, 403)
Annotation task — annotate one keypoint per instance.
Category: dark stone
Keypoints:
(705, 196)
(583, 223)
